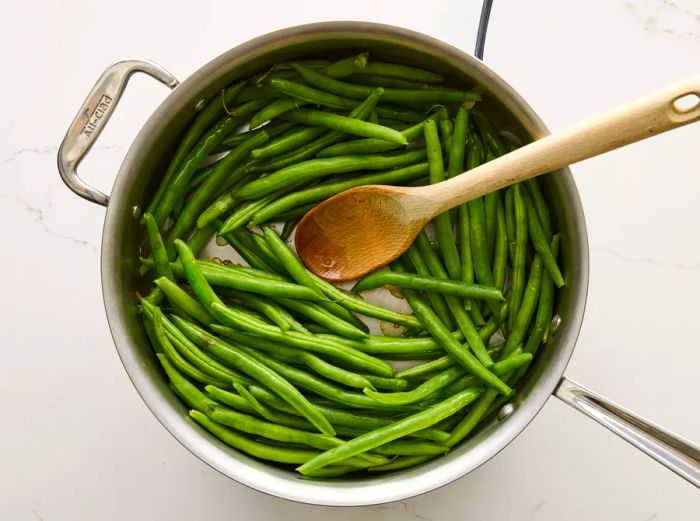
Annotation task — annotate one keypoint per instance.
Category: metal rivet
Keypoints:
(200, 105)
(556, 322)
(136, 212)
(505, 411)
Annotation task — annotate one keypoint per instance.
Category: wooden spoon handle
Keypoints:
(660, 111)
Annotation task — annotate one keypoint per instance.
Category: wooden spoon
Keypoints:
(364, 228)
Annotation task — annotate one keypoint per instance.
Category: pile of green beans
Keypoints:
(288, 368)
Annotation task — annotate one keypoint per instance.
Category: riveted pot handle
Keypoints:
(672, 451)
(92, 118)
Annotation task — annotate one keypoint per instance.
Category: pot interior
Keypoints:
(147, 160)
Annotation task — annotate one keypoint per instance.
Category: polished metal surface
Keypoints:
(679, 455)
(145, 164)
(92, 118)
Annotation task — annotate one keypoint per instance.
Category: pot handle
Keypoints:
(92, 118)
(679, 455)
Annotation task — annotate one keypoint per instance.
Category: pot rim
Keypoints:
(261, 476)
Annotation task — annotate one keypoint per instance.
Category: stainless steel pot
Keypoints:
(146, 161)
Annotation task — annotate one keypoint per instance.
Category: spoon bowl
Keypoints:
(359, 230)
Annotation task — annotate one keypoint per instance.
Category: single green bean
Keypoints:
(431, 386)
(540, 205)
(445, 234)
(448, 287)
(527, 308)
(402, 72)
(500, 250)
(345, 124)
(316, 168)
(180, 299)
(286, 142)
(541, 243)
(519, 266)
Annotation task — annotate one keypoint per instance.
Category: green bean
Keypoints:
(446, 129)
(339, 352)
(449, 287)
(272, 311)
(241, 216)
(473, 417)
(249, 446)
(410, 448)
(256, 93)
(317, 385)
(244, 404)
(184, 366)
(527, 307)
(189, 392)
(402, 72)
(510, 221)
(251, 257)
(369, 145)
(398, 463)
(491, 221)
(305, 94)
(275, 108)
(260, 245)
(324, 318)
(398, 429)
(387, 384)
(325, 190)
(541, 243)
(307, 151)
(180, 299)
(462, 356)
(192, 353)
(256, 370)
(348, 90)
(445, 234)
(515, 360)
(488, 134)
(462, 318)
(211, 187)
(205, 146)
(399, 113)
(287, 229)
(442, 363)
(345, 124)
(160, 256)
(232, 277)
(519, 254)
(316, 168)
(384, 81)
(425, 389)
(204, 119)
(500, 251)
(346, 66)
(545, 307)
(286, 142)
(273, 129)
(289, 260)
(540, 205)
(437, 301)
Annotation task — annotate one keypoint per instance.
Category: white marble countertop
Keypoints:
(77, 441)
